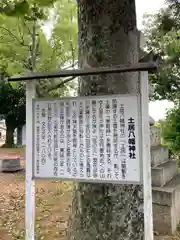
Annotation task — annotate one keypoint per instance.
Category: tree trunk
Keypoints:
(9, 143)
(107, 37)
(19, 136)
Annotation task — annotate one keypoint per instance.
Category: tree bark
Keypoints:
(9, 143)
(19, 136)
(107, 36)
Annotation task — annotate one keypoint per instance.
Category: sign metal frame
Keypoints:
(138, 97)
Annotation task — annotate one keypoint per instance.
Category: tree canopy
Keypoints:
(170, 128)
(163, 38)
(29, 9)
(25, 47)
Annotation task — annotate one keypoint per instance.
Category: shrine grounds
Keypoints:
(53, 200)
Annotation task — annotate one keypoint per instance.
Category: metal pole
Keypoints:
(30, 183)
(152, 66)
(148, 219)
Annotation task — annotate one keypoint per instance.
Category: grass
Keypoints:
(53, 199)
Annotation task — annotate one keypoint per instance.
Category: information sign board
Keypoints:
(88, 139)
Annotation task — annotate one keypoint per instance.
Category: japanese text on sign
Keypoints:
(92, 138)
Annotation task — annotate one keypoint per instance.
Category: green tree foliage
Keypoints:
(170, 128)
(24, 47)
(162, 32)
(12, 105)
(15, 44)
(29, 9)
(63, 45)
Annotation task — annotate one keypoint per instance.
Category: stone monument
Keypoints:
(10, 163)
(165, 185)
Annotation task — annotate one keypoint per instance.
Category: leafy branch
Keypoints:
(13, 36)
(71, 66)
(27, 27)
(61, 84)
(20, 32)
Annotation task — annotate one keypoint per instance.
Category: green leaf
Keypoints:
(170, 128)
(21, 48)
(163, 38)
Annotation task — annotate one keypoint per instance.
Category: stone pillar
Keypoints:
(165, 185)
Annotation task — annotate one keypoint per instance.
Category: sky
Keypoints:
(145, 6)
(157, 109)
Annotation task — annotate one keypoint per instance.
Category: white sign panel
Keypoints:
(92, 138)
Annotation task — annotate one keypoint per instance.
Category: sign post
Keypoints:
(96, 139)
(146, 158)
(30, 183)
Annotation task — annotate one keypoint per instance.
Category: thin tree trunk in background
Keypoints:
(107, 36)
(9, 143)
(19, 136)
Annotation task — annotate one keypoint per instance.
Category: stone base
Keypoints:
(164, 173)
(162, 219)
(166, 207)
(159, 155)
(10, 165)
